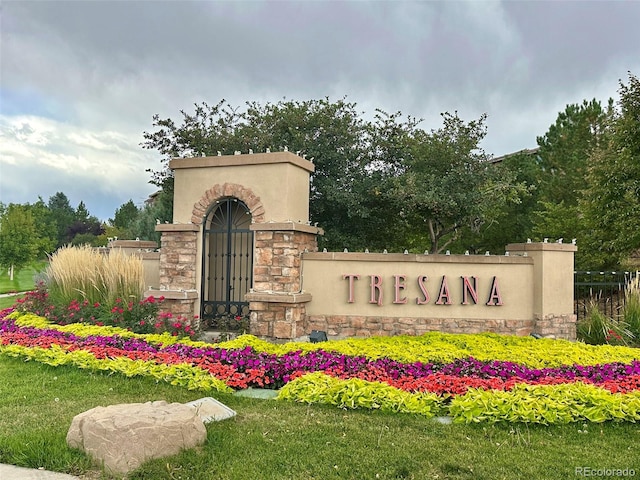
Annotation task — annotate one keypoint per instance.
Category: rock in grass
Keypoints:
(123, 437)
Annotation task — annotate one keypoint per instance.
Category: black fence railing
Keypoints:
(606, 290)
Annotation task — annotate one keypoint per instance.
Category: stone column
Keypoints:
(277, 301)
(553, 267)
(178, 269)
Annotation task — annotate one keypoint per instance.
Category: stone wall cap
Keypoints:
(142, 244)
(540, 246)
(177, 227)
(242, 160)
(417, 258)
(269, 297)
(286, 226)
(172, 294)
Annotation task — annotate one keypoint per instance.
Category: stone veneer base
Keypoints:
(340, 326)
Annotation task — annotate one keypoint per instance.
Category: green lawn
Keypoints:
(6, 302)
(23, 280)
(271, 439)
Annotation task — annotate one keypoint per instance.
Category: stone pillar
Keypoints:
(553, 267)
(277, 301)
(178, 269)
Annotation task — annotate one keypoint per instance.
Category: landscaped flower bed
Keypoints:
(472, 378)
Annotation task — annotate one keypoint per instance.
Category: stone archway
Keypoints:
(218, 191)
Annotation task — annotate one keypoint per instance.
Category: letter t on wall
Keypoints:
(351, 278)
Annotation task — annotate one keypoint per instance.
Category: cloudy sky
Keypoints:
(80, 81)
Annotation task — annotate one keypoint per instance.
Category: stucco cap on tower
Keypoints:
(280, 180)
(242, 160)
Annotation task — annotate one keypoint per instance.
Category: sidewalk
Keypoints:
(11, 472)
(11, 294)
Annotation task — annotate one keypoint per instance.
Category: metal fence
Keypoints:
(604, 289)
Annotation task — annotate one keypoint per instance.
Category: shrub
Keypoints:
(142, 316)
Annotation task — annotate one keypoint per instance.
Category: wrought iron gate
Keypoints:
(227, 265)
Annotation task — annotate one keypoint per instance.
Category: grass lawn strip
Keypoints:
(275, 440)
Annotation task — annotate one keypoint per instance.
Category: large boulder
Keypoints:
(123, 437)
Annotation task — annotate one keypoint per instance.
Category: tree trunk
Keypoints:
(11, 273)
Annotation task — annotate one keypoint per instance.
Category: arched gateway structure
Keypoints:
(241, 244)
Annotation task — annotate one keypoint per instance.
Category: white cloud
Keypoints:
(39, 157)
(80, 81)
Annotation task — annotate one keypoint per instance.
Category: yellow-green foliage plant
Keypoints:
(430, 347)
(84, 330)
(84, 273)
(180, 374)
(545, 404)
(355, 393)
(441, 347)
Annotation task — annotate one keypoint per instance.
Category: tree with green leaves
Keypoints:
(565, 152)
(18, 238)
(331, 133)
(448, 184)
(513, 221)
(158, 208)
(123, 221)
(611, 202)
(46, 230)
(63, 214)
(125, 216)
(377, 184)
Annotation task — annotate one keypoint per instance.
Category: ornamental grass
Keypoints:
(631, 309)
(83, 273)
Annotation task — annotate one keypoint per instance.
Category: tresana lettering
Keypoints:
(469, 292)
